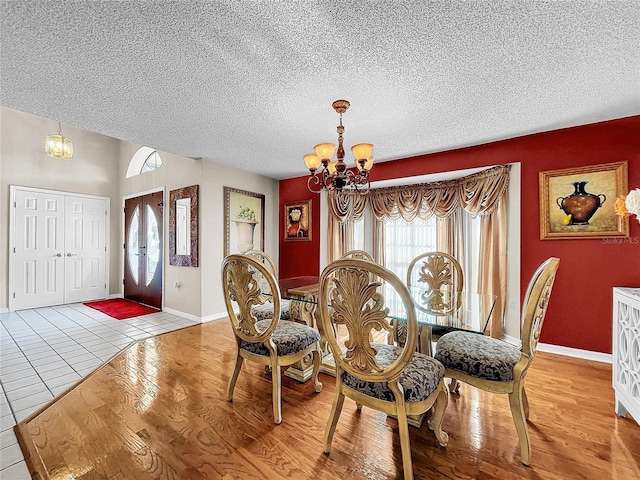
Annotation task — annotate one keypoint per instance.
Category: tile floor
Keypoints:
(46, 350)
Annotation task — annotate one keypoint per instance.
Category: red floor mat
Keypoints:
(121, 308)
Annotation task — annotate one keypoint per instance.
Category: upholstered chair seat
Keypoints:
(419, 380)
(478, 356)
(288, 337)
(265, 311)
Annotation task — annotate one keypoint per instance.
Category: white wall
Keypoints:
(98, 168)
(94, 170)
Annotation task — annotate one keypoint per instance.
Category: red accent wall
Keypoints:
(580, 309)
(299, 258)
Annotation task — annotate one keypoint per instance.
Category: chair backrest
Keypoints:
(535, 304)
(350, 295)
(264, 258)
(360, 254)
(439, 274)
(244, 280)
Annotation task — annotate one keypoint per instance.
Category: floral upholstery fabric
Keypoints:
(419, 379)
(265, 311)
(477, 355)
(288, 337)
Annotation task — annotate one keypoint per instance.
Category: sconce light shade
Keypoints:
(58, 146)
(325, 150)
(312, 161)
(362, 151)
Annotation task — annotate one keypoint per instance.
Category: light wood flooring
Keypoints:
(159, 411)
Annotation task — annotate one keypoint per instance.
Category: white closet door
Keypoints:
(85, 249)
(39, 249)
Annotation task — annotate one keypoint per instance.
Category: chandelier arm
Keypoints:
(315, 183)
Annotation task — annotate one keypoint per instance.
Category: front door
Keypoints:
(143, 249)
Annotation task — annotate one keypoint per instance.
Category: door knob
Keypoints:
(71, 254)
(58, 255)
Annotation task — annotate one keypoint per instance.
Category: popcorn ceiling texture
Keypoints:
(250, 83)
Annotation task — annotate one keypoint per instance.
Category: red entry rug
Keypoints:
(121, 308)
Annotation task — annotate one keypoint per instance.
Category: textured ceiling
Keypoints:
(250, 83)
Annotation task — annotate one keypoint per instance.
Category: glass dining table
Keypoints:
(436, 313)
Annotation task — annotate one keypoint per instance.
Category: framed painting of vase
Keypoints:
(297, 221)
(243, 221)
(578, 202)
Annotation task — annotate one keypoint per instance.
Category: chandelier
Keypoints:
(333, 174)
(58, 146)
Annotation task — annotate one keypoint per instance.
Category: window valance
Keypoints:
(478, 193)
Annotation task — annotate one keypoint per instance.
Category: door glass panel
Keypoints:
(134, 249)
(153, 245)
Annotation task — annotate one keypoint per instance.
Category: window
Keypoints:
(406, 240)
(144, 160)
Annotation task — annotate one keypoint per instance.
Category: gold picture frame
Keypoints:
(243, 221)
(578, 202)
(297, 221)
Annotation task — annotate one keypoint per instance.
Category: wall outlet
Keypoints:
(177, 285)
(512, 304)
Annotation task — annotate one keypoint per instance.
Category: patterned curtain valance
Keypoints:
(347, 205)
(478, 193)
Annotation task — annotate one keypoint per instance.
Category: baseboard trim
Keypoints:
(215, 316)
(567, 351)
(178, 313)
(4, 310)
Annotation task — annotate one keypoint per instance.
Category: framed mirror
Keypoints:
(183, 227)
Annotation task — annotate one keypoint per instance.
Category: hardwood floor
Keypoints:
(159, 411)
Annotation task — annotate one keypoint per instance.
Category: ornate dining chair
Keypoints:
(265, 310)
(438, 277)
(395, 380)
(270, 342)
(497, 366)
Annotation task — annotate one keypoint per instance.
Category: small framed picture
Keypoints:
(578, 202)
(297, 221)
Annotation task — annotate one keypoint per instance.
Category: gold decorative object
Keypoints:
(334, 175)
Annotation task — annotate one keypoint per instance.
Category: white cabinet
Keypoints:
(626, 351)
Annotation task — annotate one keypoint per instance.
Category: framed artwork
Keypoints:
(243, 221)
(297, 221)
(183, 227)
(578, 202)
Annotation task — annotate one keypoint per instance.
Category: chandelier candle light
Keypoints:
(334, 175)
(58, 146)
